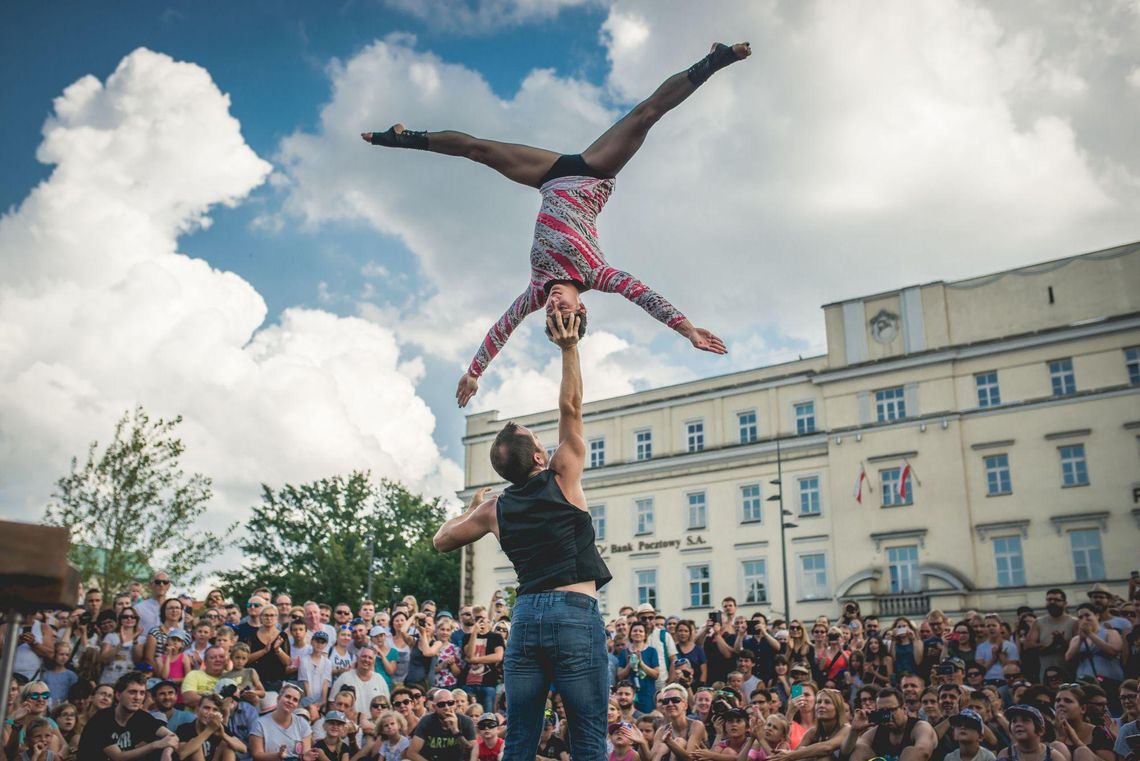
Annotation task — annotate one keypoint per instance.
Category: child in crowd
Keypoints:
(59, 678)
(174, 663)
(341, 653)
(315, 668)
(203, 633)
(336, 745)
(488, 745)
(623, 735)
(37, 741)
(244, 677)
(391, 738)
(968, 727)
(550, 746)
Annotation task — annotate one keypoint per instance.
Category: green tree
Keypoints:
(315, 541)
(130, 507)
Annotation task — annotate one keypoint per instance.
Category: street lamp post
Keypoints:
(778, 482)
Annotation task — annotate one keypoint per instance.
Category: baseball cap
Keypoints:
(735, 713)
(957, 663)
(181, 634)
(1026, 710)
(336, 716)
(488, 721)
(376, 631)
(153, 684)
(968, 718)
(618, 725)
(320, 634)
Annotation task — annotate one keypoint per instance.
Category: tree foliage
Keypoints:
(315, 541)
(131, 508)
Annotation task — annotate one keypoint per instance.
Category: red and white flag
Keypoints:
(904, 480)
(858, 492)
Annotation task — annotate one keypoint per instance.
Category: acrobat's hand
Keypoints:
(468, 385)
(706, 341)
(563, 330)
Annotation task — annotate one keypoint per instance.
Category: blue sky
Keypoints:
(864, 147)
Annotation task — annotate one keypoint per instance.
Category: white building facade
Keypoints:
(996, 419)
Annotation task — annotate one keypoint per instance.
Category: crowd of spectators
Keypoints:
(141, 676)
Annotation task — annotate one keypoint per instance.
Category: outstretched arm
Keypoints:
(570, 458)
(528, 301)
(613, 280)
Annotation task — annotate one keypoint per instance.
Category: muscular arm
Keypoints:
(570, 458)
(473, 524)
(528, 301)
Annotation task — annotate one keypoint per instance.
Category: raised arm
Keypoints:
(569, 460)
(473, 524)
(528, 301)
(613, 280)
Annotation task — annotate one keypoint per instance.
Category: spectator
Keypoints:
(680, 735)
(284, 604)
(625, 695)
(639, 665)
(968, 728)
(800, 713)
(313, 622)
(688, 649)
(170, 619)
(489, 745)
(281, 733)
(55, 673)
(995, 651)
(174, 663)
(364, 680)
(269, 650)
(911, 687)
(904, 645)
(150, 609)
(483, 653)
(338, 743)
(443, 734)
(315, 669)
(888, 739)
(203, 681)
(799, 650)
(164, 693)
(391, 738)
(449, 658)
(1095, 649)
(247, 680)
(660, 641)
(1026, 729)
(828, 733)
(1072, 727)
(1048, 636)
(341, 656)
(400, 640)
(207, 734)
(126, 726)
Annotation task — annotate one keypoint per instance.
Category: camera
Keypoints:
(944, 668)
(720, 706)
(753, 627)
(880, 716)
(228, 691)
(715, 616)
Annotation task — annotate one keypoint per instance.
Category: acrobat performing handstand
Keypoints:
(566, 258)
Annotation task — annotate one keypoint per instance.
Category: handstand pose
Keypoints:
(566, 258)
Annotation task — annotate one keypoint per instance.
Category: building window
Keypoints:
(646, 587)
(1009, 561)
(695, 435)
(997, 475)
(813, 577)
(809, 495)
(749, 431)
(755, 577)
(603, 600)
(700, 591)
(902, 562)
(988, 393)
(643, 509)
(643, 444)
(1062, 378)
(891, 486)
(598, 518)
(890, 404)
(1132, 364)
(597, 453)
(698, 510)
(1074, 468)
(752, 510)
(1088, 558)
(805, 417)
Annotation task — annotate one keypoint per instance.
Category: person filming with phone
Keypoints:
(888, 733)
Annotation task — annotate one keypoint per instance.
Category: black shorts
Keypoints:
(571, 166)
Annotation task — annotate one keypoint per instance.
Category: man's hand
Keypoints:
(564, 334)
(478, 498)
(859, 721)
(468, 385)
(168, 741)
(451, 723)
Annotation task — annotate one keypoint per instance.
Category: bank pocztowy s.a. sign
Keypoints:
(643, 546)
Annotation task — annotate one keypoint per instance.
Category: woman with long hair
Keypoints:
(269, 650)
(831, 661)
(960, 643)
(826, 736)
(566, 257)
(122, 648)
(904, 645)
(169, 619)
(1070, 707)
(687, 648)
(402, 643)
(798, 648)
(878, 665)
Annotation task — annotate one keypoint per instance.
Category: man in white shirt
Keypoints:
(658, 639)
(149, 608)
(364, 679)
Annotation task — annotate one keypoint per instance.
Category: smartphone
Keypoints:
(797, 691)
(944, 668)
(880, 716)
(902, 631)
(715, 616)
(753, 627)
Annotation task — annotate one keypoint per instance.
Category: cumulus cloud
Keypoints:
(99, 311)
(864, 146)
(481, 16)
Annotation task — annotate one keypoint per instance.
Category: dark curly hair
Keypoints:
(581, 326)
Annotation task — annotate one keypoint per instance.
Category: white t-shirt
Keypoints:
(28, 661)
(315, 674)
(275, 736)
(365, 691)
(122, 660)
(985, 651)
(148, 611)
(666, 648)
(341, 662)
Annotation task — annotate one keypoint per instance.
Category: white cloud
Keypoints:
(1133, 77)
(481, 16)
(99, 311)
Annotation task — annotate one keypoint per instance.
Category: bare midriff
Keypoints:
(582, 587)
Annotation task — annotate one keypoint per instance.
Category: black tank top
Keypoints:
(549, 541)
(882, 745)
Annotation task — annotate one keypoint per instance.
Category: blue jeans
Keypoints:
(482, 694)
(556, 637)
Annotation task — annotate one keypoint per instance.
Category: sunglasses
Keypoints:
(128, 618)
(344, 612)
(39, 695)
(669, 701)
(161, 582)
(445, 703)
(398, 703)
(379, 704)
(417, 696)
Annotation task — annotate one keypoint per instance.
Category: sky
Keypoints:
(190, 221)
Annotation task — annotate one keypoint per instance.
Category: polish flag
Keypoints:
(904, 479)
(858, 492)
